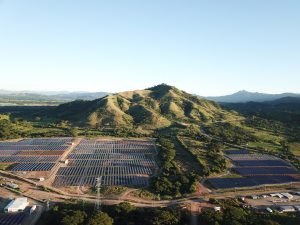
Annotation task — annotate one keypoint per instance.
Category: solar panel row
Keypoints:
(261, 163)
(223, 183)
(251, 171)
(237, 151)
(33, 167)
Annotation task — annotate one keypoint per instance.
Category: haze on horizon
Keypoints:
(203, 47)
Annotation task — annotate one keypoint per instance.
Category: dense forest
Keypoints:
(126, 214)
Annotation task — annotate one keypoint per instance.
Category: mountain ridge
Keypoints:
(246, 96)
(148, 109)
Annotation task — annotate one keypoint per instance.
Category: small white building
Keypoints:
(217, 209)
(286, 209)
(287, 195)
(17, 205)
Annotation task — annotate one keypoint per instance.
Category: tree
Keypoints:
(269, 222)
(100, 218)
(163, 217)
(76, 218)
(209, 217)
(125, 208)
(234, 216)
(73, 131)
(124, 213)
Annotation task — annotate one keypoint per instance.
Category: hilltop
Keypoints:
(151, 108)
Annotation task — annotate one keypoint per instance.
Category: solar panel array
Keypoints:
(126, 163)
(261, 164)
(33, 167)
(34, 154)
(257, 169)
(237, 151)
(254, 171)
(13, 218)
(223, 183)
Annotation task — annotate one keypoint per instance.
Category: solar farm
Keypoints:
(118, 162)
(29, 155)
(256, 170)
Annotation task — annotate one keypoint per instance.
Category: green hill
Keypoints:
(148, 109)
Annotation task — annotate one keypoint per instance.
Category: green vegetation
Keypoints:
(208, 154)
(125, 214)
(295, 148)
(286, 110)
(4, 166)
(230, 133)
(171, 181)
(10, 129)
(145, 110)
(74, 218)
(286, 153)
(113, 190)
(100, 218)
(122, 214)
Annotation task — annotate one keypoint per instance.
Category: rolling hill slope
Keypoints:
(152, 108)
(285, 109)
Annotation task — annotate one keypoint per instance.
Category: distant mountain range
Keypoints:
(45, 98)
(245, 96)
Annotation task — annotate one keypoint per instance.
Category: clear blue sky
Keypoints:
(205, 47)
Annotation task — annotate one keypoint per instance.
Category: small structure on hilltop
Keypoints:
(17, 205)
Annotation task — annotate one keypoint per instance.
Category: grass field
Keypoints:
(4, 166)
(264, 145)
(295, 148)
